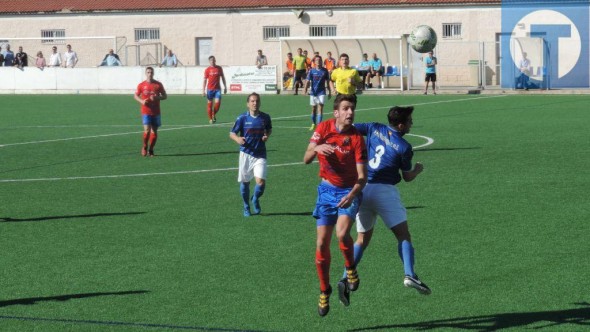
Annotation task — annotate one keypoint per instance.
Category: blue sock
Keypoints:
(319, 118)
(258, 191)
(313, 117)
(406, 253)
(245, 191)
(358, 255)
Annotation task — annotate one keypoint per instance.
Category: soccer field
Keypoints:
(95, 237)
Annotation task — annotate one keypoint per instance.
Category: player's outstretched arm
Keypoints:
(411, 175)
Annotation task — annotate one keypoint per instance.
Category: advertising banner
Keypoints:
(247, 79)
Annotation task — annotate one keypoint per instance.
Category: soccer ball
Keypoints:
(422, 39)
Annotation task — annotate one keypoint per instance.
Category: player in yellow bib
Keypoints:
(344, 77)
(299, 70)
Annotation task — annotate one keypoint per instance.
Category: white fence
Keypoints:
(124, 80)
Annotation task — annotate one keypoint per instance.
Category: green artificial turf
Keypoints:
(95, 237)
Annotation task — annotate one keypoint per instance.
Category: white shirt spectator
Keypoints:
(70, 59)
(55, 60)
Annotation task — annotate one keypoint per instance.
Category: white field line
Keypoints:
(429, 141)
(210, 125)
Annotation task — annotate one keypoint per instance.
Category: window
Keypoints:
(48, 36)
(322, 30)
(273, 33)
(451, 30)
(144, 35)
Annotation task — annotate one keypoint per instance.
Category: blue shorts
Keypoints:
(153, 120)
(213, 94)
(326, 211)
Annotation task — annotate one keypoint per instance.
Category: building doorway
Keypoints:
(203, 50)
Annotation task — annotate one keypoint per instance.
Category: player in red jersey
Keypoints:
(212, 88)
(343, 168)
(148, 94)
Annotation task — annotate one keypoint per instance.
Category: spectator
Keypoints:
(330, 63)
(40, 62)
(261, 60)
(1, 57)
(111, 59)
(525, 72)
(8, 57)
(364, 68)
(376, 70)
(21, 59)
(70, 57)
(430, 62)
(169, 60)
(54, 58)
(287, 75)
(307, 61)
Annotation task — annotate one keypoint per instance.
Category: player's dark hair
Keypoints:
(399, 115)
(211, 57)
(152, 68)
(344, 55)
(341, 97)
(253, 94)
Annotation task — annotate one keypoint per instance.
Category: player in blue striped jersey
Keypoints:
(251, 131)
(390, 161)
(319, 78)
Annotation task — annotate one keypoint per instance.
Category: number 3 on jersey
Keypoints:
(379, 151)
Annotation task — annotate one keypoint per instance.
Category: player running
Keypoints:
(212, 88)
(318, 77)
(389, 153)
(251, 131)
(342, 156)
(148, 94)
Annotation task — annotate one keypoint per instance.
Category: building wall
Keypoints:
(237, 35)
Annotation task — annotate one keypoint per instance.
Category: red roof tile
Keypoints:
(50, 6)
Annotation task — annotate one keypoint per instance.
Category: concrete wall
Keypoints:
(124, 80)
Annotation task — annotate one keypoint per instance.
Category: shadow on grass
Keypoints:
(62, 298)
(521, 320)
(415, 207)
(448, 149)
(307, 213)
(93, 215)
(196, 154)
